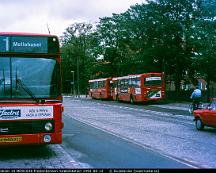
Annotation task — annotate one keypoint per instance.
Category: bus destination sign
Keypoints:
(23, 44)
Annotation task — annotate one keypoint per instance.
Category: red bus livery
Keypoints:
(132, 88)
(100, 88)
(30, 89)
(139, 88)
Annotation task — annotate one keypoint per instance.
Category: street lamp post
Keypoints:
(78, 91)
(72, 83)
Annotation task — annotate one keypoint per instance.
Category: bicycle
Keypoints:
(191, 107)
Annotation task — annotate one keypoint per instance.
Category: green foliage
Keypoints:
(76, 55)
(174, 36)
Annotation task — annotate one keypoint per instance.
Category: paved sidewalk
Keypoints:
(176, 106)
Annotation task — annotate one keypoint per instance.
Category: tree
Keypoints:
(174, 36)
(205, 42)
(76, 55)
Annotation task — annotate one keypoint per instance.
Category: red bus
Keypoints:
(139, 88)
(100, 88)
(30, 89)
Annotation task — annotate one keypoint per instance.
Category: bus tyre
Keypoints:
(199, 125)
(131, 99)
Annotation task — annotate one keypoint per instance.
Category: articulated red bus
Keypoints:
(100, 88)
(30, 89)
(139, 88)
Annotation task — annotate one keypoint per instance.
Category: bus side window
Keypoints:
(126, 83)
(96, 84)
(130, 82)
(137, 82)
(118, 83)
(121, 83)
(133, 82)
(99, 84)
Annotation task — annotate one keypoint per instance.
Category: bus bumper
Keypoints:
(30, 139)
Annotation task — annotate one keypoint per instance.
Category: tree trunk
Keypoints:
(177, 88)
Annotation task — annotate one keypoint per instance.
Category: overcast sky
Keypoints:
(34, 15)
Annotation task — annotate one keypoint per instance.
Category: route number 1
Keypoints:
(6, 39)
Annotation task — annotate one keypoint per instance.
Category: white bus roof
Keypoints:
(102, 79)
(131, 76)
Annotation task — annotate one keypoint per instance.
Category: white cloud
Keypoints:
(34, 15)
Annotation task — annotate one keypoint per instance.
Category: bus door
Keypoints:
(113, 88)
(103, 89)
(135, 88)
(124, 90)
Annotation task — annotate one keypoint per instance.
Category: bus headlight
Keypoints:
(47, 138)
(48, 126)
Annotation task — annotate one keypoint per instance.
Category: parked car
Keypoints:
(206, 117)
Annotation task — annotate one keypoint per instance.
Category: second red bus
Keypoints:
(139, 88)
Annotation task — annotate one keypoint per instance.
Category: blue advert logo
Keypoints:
(10, 113)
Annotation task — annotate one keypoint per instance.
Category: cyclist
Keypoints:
(196, 97)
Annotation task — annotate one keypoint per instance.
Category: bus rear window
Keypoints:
(153, 81)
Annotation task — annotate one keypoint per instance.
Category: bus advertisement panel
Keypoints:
(30, 89)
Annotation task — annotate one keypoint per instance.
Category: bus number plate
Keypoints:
(10, 139)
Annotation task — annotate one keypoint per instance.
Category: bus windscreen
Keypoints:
(29, 78)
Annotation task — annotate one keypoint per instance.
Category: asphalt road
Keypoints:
(164, 131)
(98, 149)
(122, 136)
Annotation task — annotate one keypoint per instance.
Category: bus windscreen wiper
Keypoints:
(3, 79)
(27, 90)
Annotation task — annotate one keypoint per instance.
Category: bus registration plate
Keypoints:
(10, 139)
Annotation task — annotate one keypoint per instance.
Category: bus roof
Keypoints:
(26, 34)
(102, 79)
(130, 76)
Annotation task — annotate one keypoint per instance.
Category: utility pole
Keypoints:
(78, 90)
(72, 83)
